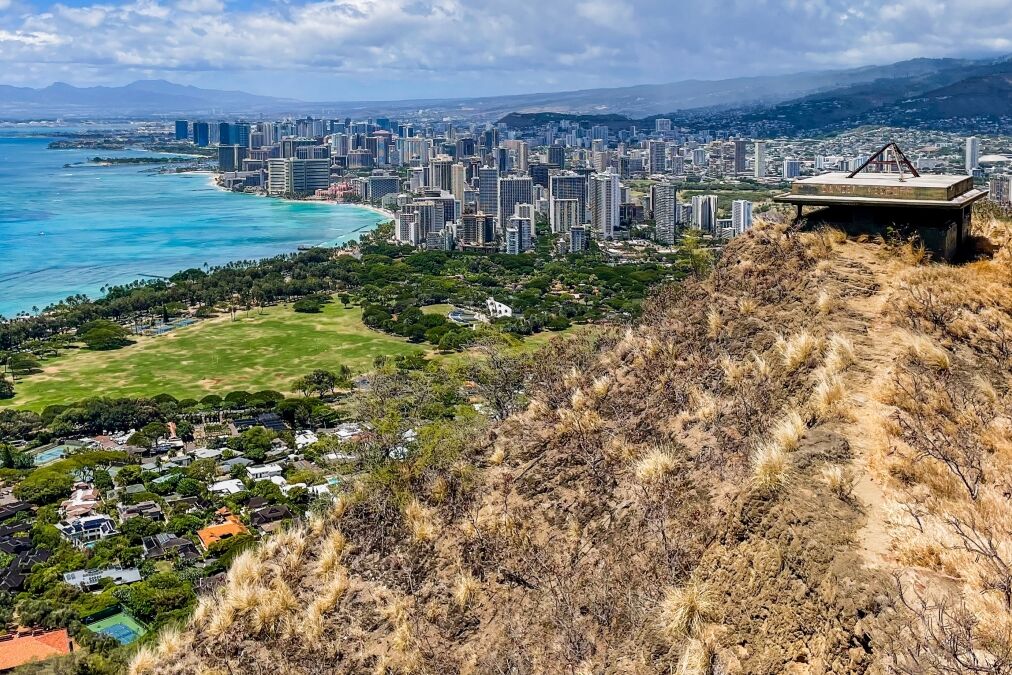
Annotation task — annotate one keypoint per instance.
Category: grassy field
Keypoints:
(216, 356)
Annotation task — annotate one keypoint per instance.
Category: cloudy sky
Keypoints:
(384, 49)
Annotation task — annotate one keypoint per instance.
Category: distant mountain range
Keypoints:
(914, 92)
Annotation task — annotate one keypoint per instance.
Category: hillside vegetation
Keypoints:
(792, 465)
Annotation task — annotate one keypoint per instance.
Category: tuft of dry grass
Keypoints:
(798, 349)
(714, 323)
(684, 611)
(840, 480)
(829, 396)
(330, 552)
(840, 354)
(771, 467)
(465, 589)
(924, 350)
(734, 371)
(825, 302)
(144, 661)
(655, 466)
(420, 520)
(699, 657)
(747, 306)
(788, 432)
(498, 456)
(247, 568)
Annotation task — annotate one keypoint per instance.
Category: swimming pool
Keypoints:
(50, 455)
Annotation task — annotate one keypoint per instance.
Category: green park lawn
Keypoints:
(267, 350)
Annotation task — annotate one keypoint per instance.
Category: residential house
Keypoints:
(228, 487)
(264, 472)
(88, 580)
(270, 421)
(305, 438)
(168, 546)
(34, 645)
(228, 525)
(270, 518)
(83, 501)
(149, 509)
(82, 531)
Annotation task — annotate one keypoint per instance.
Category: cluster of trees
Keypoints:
(150, 416)
(418, 326)
(550, 292)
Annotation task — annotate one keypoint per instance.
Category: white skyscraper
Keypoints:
(704, 212)
(741, 215)
(760, 159)
(972, 153)
(605, 199)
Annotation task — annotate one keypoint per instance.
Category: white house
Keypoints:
(264, 472)
(304, 438)
(228, 487)
(497, 310)
(81, 531)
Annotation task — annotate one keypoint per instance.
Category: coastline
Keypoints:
(213, 180)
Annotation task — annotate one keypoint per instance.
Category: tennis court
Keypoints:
(124, 628)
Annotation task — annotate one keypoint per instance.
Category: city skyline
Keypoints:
(363, 49)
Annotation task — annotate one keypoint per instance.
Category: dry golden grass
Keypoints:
(684, 611)
(655, 466)
(840, 480)
(829, 397)
(926, 352)
(789, 431)
(714, 323)
(144, 661)
(699, 656)
(330, 553)
(420, 520)
(798, 349)
(840, 354)
(771, 467)
(465, 589)
(825, 302)
(497, 456)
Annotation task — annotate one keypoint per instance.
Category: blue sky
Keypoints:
(385, 49)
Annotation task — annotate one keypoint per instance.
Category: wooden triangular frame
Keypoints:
(879, 159)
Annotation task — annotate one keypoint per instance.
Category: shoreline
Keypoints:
(213, 180)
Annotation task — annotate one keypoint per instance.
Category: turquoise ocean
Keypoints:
(69, 230)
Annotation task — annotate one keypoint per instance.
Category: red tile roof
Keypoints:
(21, 649)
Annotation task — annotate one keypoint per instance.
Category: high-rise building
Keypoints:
(1000, 189)
(656, 160)
(740, 158)
(678, 165)
(664, 200)
(465, 147)
(569, 185)
(577, 239)
(441, 172)
(564, 214)
(972, 154)
(182, 130)
(699, 157)
(792, 168)
(512, 240)
(524, 227)
(230, 157)
(378, 187)
(458, 181)
(662, 125)
(502, 160)
(513, 190)
(741, 215)
(488, 189)
(557, 156)
(201, 134)
(297, 177)
(704, 212)
(760, 159)
(605, 199)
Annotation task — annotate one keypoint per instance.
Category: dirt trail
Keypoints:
(870, 281)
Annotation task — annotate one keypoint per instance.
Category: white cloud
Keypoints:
(416, 47)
